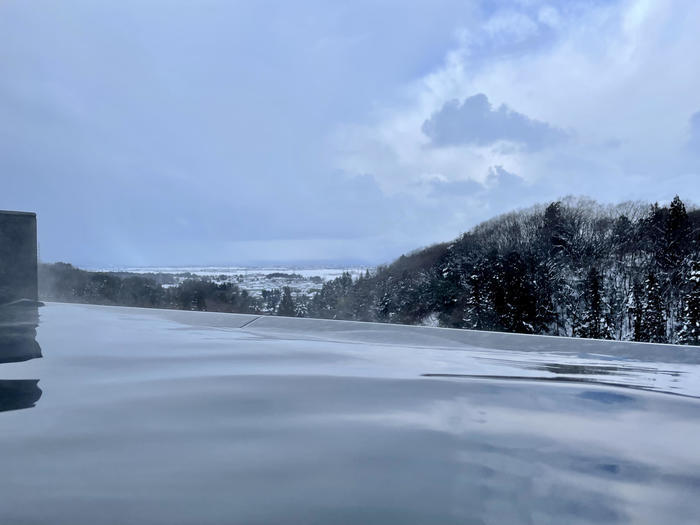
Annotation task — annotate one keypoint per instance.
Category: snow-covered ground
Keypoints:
(301, 279)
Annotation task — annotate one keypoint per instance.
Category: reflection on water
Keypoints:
(580, 375)
(18, 393)
(671, 377)
(154, 422)
(18, 323)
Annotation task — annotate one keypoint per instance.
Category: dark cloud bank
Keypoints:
(475, 121)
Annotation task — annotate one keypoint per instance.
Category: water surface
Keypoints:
(152, 417)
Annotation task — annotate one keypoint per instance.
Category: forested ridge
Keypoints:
(568, 268)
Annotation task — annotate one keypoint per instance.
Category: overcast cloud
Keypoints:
(218, 132)
(475, 122)
(694, 140)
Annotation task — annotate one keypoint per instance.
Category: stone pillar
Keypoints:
(19, 313)
(18, 256)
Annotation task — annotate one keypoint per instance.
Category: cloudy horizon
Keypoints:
(151, 133)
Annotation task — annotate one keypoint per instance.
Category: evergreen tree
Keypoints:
(271, 299)
(677, 234)
(451, 299)
(690, 330)
(653, 321)
(363, 298)
(637, 311)
(653, 230)
(546, 282)
(622, 234)
(517, 308)
(286, 306)
(553, 230)
(477, 298)
(301, 305)
(594, 323)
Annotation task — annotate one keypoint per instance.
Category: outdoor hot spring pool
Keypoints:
(159, 417)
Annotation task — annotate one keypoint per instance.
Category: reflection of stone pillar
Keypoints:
(18, 257)
(18, 393)
(18, 322)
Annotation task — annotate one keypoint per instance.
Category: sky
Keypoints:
(181, 132)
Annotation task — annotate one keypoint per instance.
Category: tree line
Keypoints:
(569, 268)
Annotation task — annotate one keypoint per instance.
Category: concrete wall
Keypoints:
(18, 256)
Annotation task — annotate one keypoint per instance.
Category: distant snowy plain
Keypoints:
(301, 279)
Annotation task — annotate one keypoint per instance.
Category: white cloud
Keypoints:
(548, 16)
(625, 74)
(510, 26)
(215, 119)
